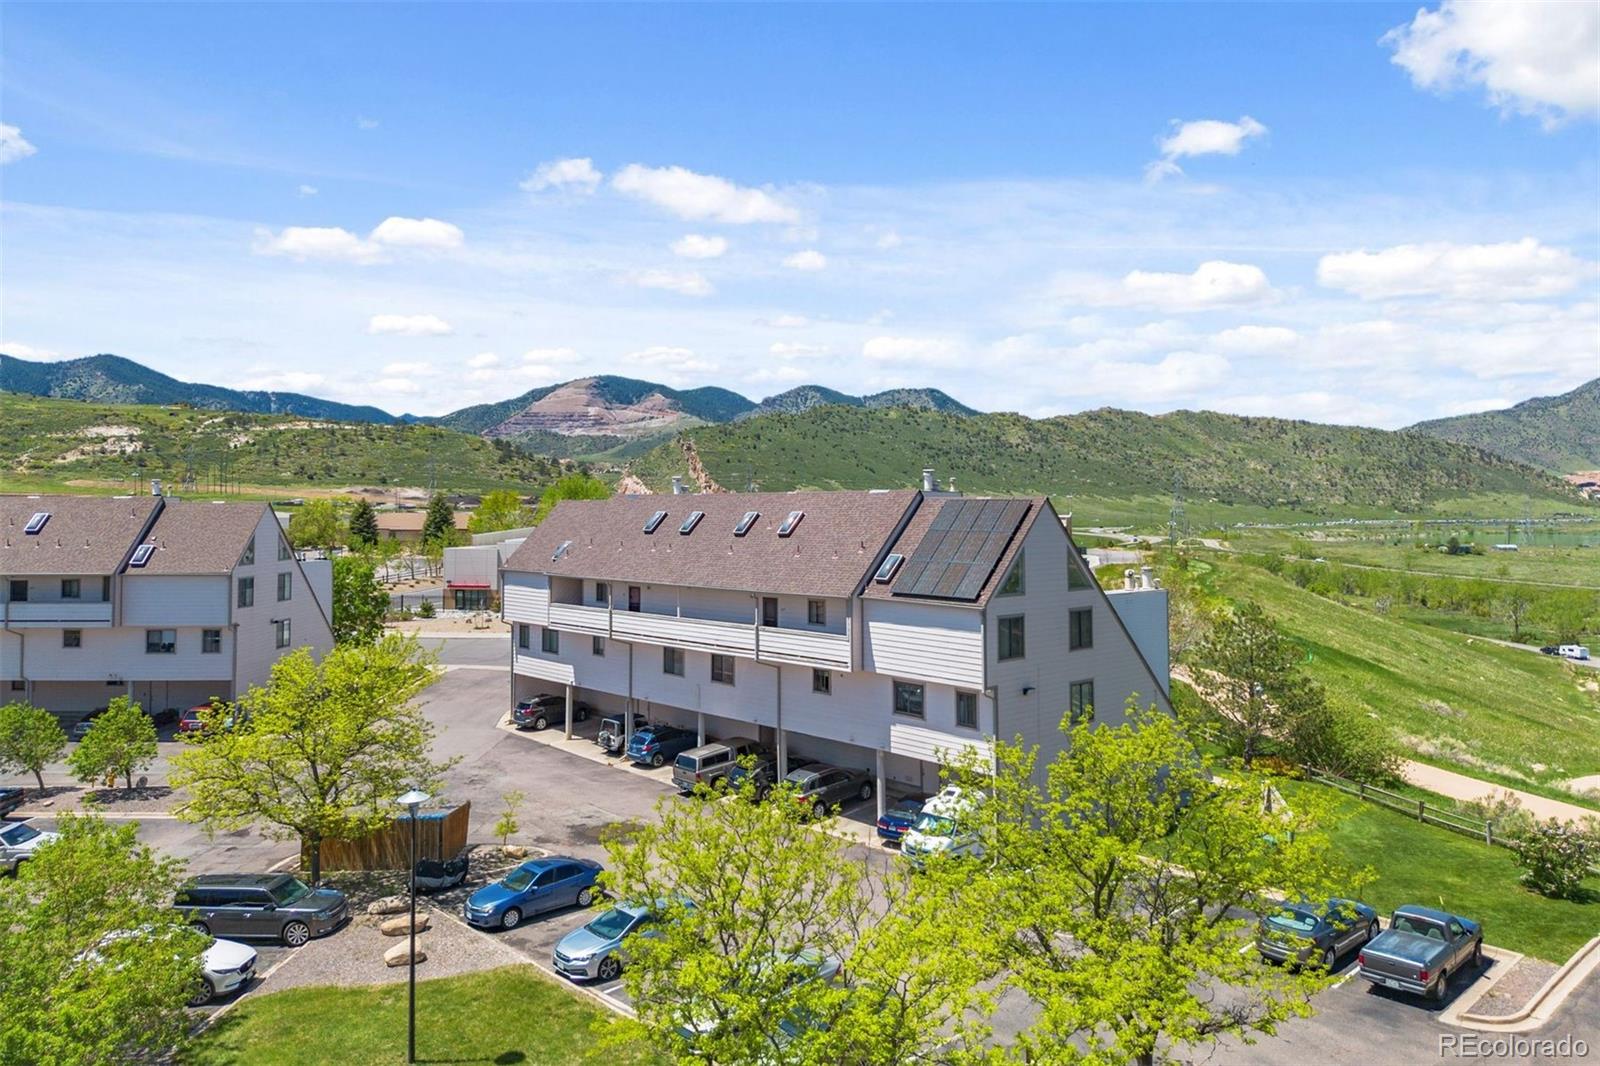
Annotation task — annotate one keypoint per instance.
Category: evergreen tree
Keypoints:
(439, 527)
(363, 525)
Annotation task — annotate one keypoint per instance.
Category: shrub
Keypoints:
(1339, 737)
(425, 609)
(1555, 857)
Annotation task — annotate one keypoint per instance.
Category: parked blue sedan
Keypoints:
(657, 743)
(895, 822)
(535, 886)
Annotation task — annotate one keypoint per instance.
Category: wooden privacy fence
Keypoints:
(441, 835)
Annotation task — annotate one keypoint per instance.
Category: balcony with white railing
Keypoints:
(703, 634)
(804, 647)
(580, 618)
(71, 614)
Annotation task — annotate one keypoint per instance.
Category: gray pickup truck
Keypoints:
(1421, 950)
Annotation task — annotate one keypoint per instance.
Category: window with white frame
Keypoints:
(908, 699)
(1012, 634)
(211, 641)
(550, 641)
(672, 661)
(160, 641)
(722, 669)
(247, 592)
(280, 630)
(1080, 628)
(285, 585)
(967, 710)
(71, 589)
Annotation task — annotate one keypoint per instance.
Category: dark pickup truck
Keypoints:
(1421, 950)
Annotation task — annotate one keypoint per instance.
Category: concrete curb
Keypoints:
(110, 816)
(1505, 961)
(1545, 1002)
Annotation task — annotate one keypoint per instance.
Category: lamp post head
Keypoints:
(414, 799)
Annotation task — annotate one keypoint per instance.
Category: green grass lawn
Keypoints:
(1557, 564)
(1417, 863)
(1492, 712)
(503, 1016)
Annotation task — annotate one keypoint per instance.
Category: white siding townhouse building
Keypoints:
(868, 629)
(169, 602)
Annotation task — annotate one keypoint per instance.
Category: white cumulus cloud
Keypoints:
(1256, 340)
(1207, 136)
(930, 351)
(397, 232)
(549, 355)
(409, 325)
(18, 350)
(1524, 269)
(701, 197)
(1541, 60)
(482, 360)
(696, 246)
(683, 282)
(284, 381)
(579, 175)
(1215, 283)
(809, 260)
(13, 145)
(785, 321)
(794, 350)
(339, 244)
(307, 190)
(409, 370)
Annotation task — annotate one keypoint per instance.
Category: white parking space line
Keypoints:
(613, 990)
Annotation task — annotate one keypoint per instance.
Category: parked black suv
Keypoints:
(541, 712)
(261, 905)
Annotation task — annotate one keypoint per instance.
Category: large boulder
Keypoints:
(514, 851)
(400, 954)
(401, 925)
(389, 905)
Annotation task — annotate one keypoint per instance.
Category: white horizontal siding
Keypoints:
(855, 711)
(727, 637)
(183, 600)
(923, 642)
(582, 619)
(920, 742)
(806, 647)
(120, 653)
(56, 613)
(527, 597)
(544, 667)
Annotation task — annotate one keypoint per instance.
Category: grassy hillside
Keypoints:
(1480, 708)
(113, 379)
(805, 397)
(51, 443)
(1560, 433)
(1118, 466)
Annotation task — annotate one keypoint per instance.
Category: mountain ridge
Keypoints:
(1559, 433)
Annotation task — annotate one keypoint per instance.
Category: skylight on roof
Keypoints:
(887, 571)
(745, 523)
(690, 522)
(655, 521)
(561, 550)
(141, 555)
(790, 522)
(36, 523)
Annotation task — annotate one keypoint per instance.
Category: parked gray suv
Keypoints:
(276, 906)
(709, 762)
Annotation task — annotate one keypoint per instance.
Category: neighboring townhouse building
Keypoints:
(878, 630)
(168, 602)
(406, 526)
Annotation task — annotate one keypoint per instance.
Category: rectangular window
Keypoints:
(967, 710)
(1013, 638)
(550, 641)
(211, 641)
(285, 585)
(1082, 708)
(908, 699)
(70, 589)
(19, 685)
(281, 632)
(769, 611)
(722, 669)
(817, 612)
(672, 661)
(822, 681)
(19, 591)
(105, 590)
(247, 592)
(1080, 628)
(1013, 584)
(598, 647)
(633, 598)
(160, 641)
(249, 556)
(283, 550)
(72, 638)
(524, 636)
(602, 593)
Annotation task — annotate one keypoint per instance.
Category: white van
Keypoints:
(1573, 651)
(940, 829)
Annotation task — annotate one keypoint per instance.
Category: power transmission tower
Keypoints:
(1176, 524)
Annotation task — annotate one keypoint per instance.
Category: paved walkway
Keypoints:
(1461, 787)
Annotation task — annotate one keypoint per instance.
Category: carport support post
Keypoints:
(879, 790)
(569, 712)
(700, 726)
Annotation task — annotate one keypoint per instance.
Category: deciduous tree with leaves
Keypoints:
(359, 601)
(30, 739)
(500, 509)
(97, 965)
(317, 525)
(120, 743)
(570, 487)
(321, 751)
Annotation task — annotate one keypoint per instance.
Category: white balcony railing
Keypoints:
(801, 647)
(806, 647)
(58, 613)
(727, 638)
(577, 617)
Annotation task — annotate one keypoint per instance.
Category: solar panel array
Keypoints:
(960, 549)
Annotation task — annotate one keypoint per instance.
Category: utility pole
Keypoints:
(1175, 519)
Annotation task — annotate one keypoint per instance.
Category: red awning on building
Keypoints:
(468, 585)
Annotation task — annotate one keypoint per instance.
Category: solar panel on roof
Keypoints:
(36, 523)
(690, 522)
(745, 523)
(790, 522)
(654, 521)
(961, 549)
(141, 554)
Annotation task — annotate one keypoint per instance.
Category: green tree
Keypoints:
(30, 739)
(507, 826)
(1331, 734)
(439, 525)
(753, 897)
(98, 966)
(359, 601)
(570, 487)
(1555, 857)
(501, 509)
(121, 742)
(1116, 878)
(317, 525)
(363, 524)
(321, 751)
(1249, 672)
(1514, 604)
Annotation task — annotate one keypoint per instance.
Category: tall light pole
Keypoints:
(411, 801)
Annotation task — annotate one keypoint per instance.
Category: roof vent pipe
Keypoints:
(155, 486)
(1127, 578)
(952, 485)
(1146, 575)
(677, 485)
(928, 482)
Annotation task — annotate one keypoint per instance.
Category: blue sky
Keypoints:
(1364, 213)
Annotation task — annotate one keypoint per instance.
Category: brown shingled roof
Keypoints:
(830, 551)
(917, 528)
(85, 534)
(193, 537)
